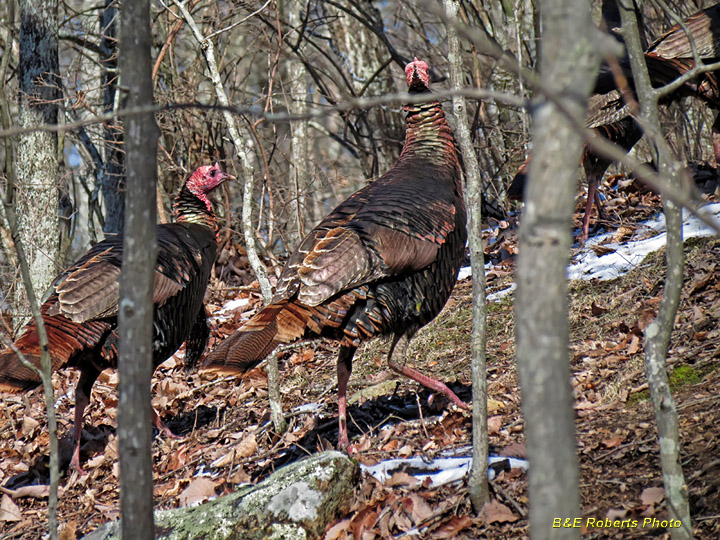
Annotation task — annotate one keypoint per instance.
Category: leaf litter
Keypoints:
(227, 439)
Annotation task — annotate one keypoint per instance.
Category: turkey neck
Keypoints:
(428, 136)
(189, 208)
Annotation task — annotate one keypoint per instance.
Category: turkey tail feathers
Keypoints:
(14, 375)
(249, 345)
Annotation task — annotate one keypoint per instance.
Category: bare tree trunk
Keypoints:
(478, 483)
(657, 334)
(299, 166)
(45, 370)
(9, 147)
(368, 60)
(135, 316)
(37, 195)
(112, 181)
(239, 142)
(541, 311)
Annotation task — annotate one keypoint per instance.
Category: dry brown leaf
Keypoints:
(419, 509)
(402, 479)
(495, 423)
(517, 450)
(36, 492)
(405, 451)
(622, 233)
(363, 521)
(496, 512)
(652, 496)
(613, 442)
(616, 513)
(390, 445)
(176, 459)
(246, 447)
(28, 425)
(199, 490)
(95, 462)
(9, 511)
(239, 477)
(69, 532)
(602, 250)
(646, 317)
(339, 531)
(452, 527)
(634, 345)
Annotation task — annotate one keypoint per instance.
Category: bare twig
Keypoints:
(657, 334)
(478, 485)
(240, 151)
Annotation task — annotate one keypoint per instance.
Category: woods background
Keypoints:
(289, 57)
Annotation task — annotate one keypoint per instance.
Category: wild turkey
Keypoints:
(384, 262)
(610, 117)
(80, 315)
(674, 44)
(624, 132)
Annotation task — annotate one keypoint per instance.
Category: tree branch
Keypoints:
(478, 484)
(239, 143)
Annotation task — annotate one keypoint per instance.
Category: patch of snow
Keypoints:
(232, 305)
(68, 396)
(308, 408)
(440, 471)
(464, 273)
(626, 256)
(499, 295)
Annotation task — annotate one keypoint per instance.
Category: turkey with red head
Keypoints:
(383, 263)
(80, 314)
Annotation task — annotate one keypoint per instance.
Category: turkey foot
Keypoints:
(429, 382)
(161, 427)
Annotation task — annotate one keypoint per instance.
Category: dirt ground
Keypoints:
(227, 437)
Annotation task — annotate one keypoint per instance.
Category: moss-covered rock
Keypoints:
(296, 502)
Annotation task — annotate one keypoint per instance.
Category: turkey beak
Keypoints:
(225, 176)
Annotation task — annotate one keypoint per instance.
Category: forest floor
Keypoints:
(227, 438)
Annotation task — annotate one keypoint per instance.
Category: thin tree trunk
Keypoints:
(135, 317)
(37, 195)
(299, 166)
(657, 334)
(478, 483)
(239, 142)
(111, 179)
(541, 309)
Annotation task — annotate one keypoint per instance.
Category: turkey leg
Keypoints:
(425, 380)
(344, 368)
(88, 376)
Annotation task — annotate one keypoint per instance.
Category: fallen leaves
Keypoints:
(200, 490)
(9, 511)
(496, 512)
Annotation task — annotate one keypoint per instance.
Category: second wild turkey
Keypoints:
(383, 263)
(80, 315)
(666, 59)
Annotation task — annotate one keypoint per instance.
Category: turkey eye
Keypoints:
(212, 172)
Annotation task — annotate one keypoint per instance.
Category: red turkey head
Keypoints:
(418, 73)
(205, 179)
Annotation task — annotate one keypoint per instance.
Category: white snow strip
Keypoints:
(308, 408)
(499, 295)
(440, 471)
(625, 257)
(232, 305)
(650, 237)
